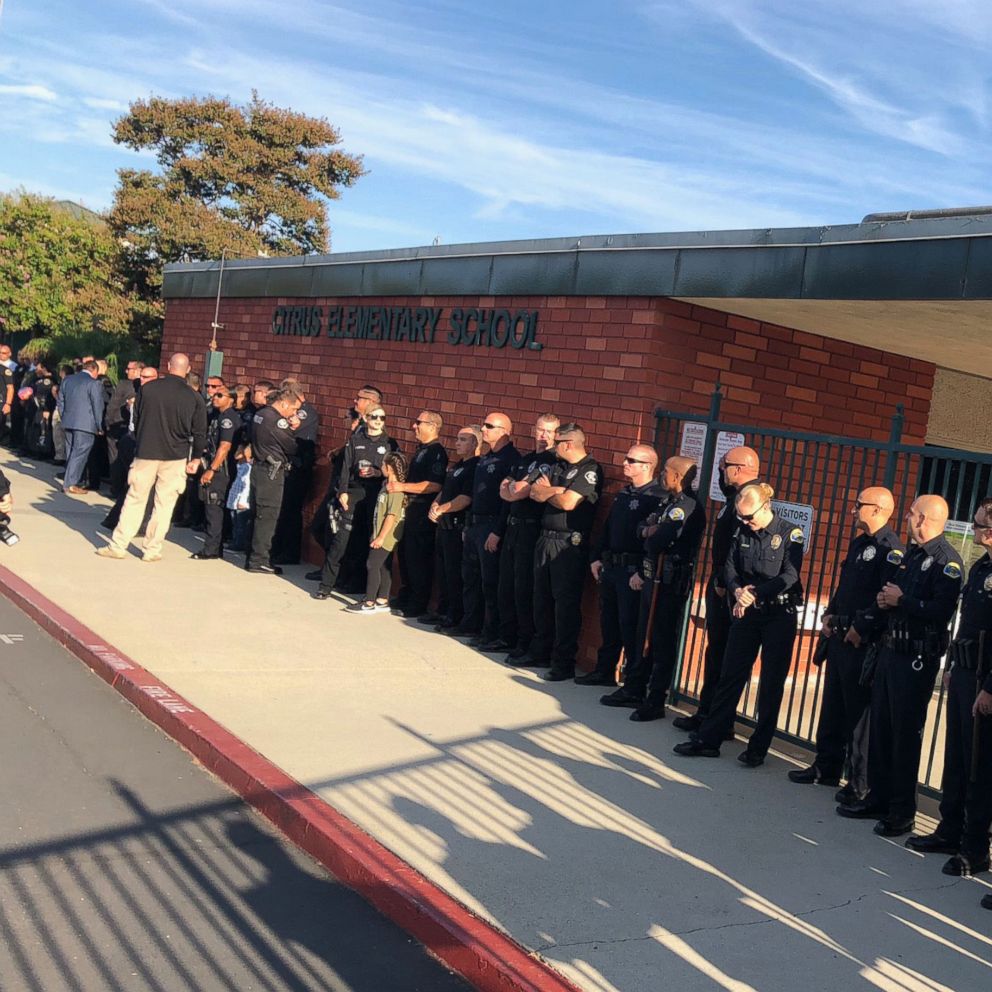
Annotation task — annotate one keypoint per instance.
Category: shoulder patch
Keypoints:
(302, 414)
(591, 477)
(227, 423)
(895, 556)
(282, 422)
(676, 513)
(796, 535)
(953, 570)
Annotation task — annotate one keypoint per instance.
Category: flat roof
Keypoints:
(916, 286)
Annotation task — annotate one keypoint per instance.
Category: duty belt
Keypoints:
(571, 536)
(842, 624)
(964, 654)
(621, 558)
(784, 600)
(481, 518)
(522, 521)
(451, 521)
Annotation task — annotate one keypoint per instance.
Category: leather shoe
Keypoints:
(76, 490)
(860, 811)
(622, 697)
(893, 828)
(751, 760)
(315, 575)
(647, 713)
(931, 844)
(687, 722)
(494, 644)
(525, 661)
(696, 749)
(430, 619)
(963, 866)
(265, 569)
(811, 775)
(460, 632)
(595, 678)
(516, 653)
(200, 556)
(323, 594)
(557, 675)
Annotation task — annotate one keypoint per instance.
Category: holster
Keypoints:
(869, 665)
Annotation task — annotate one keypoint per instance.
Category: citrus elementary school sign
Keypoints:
(472, 327)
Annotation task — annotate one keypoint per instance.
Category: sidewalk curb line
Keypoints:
(486, 957)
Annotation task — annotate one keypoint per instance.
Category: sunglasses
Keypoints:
(746, 518)
(858, 505)
(636, 461)
(734, 465)
(377, 416)
(419, 423)
(493, 427)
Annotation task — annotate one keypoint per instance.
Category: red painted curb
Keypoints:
(486, 957)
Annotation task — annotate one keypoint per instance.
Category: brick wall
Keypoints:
(607, 362)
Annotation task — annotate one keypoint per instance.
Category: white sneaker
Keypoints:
(382, 608)
(361, 607)
(109, 551)
(152, 557)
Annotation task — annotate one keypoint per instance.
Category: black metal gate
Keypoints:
(817, 477)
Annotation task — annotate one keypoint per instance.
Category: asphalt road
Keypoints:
(125, 865)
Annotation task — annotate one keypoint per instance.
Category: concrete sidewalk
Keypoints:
(574, 830)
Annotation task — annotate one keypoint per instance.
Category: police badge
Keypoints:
(572, 474)
(926, 564)
(868, 554)
(381, 449)
(776, 541)
(634, 504)
(987, 584)
(576, 538)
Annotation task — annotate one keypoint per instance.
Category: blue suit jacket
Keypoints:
(81, 402)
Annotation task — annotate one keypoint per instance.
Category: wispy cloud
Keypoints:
(32, 91)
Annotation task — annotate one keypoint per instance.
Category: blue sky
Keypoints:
(511, 119)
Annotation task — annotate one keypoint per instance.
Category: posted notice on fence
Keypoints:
(692, 445)
(798, 514)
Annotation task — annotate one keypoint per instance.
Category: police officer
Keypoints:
(615, 559)
(737, 468)
(450, 512)
(272, 449)
(287, 543)
(8, 386)
(358, 489)
(874, 556)
(663, 579)
(424, 480)
(486, 524)
(569, 496)
(222, 428)
(966, 787)
(762, 581)
(914, 610)
(516, 563)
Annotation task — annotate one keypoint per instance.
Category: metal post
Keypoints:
(895, 437)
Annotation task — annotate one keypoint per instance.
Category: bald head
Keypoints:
(740, 466)
(179, 365)
(639, 465)
(927, 517)
(678, 473)
(873, 509)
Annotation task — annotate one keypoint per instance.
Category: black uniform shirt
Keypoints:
(767, 559)
(529, 469)
(364, 454)
(492, 469)
(43, 389)
(221, 427)
(930, 580)
(621, 532)
(976, 606)
(271, 437)
(724, 531)
(872, 560)
(429, 464)
(681, 524)
(8, 380)
(458, 481)
(584, 478)
(309, 424)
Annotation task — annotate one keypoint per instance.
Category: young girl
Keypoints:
(387, 529)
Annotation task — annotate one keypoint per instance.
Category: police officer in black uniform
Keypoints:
(424, 480)
(615, 559)
(358, 489)
(39, 439)
(515, 594)
(287, 544)
(966, 786)
(486, 524)
(914, 610)
(762, 579)
(874, 556)
(8, 387)
(569, 496)
(272, 448)
(737, 468)
(664, 578)
(449, 512)
(222, 428)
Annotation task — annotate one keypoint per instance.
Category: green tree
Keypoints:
(57, 271)
(246, 179)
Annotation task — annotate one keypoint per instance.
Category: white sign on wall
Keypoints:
(798, 514)
(692, 445)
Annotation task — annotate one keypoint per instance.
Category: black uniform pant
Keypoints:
(416, 557)
(899, 700)
(515, 594)
(842, 731)
(772, 630)
(717, 631)
(288, 540)
(359, 500)
(120, 449)
(450, 546)
(652, 675)
(559, 572)
(480, 577)
(265, 498)
(214, 508)
(966, 806)
(619, 607)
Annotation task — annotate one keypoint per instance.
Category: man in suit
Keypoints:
(81, 403)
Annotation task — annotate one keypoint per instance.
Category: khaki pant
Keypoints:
(169, 480)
